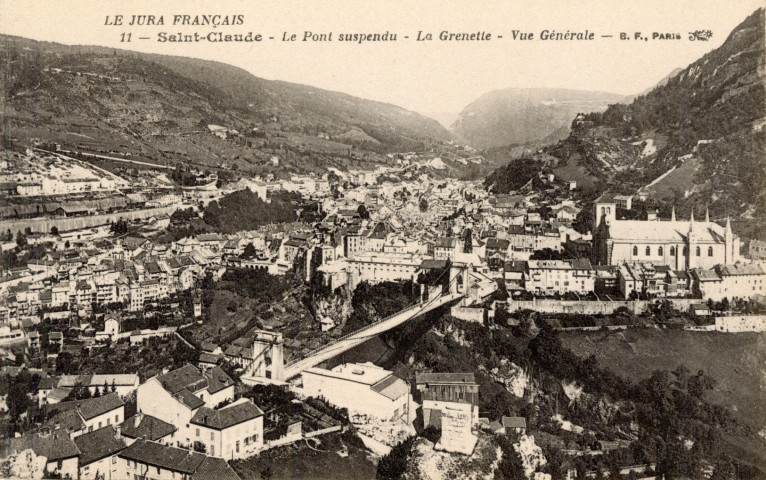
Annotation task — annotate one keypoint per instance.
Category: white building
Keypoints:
(176, 396)
(232, 432)
(560, 276)
(145, 459)
(362, 388)
(741, 323)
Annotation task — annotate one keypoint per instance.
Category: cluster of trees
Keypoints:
(374, 302)
(82, 392)
(184, 177)
(668, 407)
(513, 176)
(120, 227)
(16, 391)
(244, 210)
(257, 284)
(393, 465)
(183, 215)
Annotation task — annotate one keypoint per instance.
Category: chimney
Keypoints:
(118, 431)
(205, 419)
(137, 419)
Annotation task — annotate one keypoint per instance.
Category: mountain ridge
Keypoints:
(697, 140)
(160, 103)
(523, 115)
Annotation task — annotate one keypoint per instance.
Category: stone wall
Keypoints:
(582, 307)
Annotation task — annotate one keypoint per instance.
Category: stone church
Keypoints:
(679, 244)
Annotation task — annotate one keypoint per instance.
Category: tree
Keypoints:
(394, 464)
(511, 466)
(423, 205)
(249, 251)
(65, 363)
(97, 393)
(120, 227)
(468, 242)
(362, 211)
(18, 400)
(199, 447)
(114, 387)
(21, 240)
(54, 230)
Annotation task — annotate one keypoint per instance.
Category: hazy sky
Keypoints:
(431, 76)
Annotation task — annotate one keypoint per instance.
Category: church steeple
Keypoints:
(707, 214)
(673, 214)
(691, 244)
(729, 245)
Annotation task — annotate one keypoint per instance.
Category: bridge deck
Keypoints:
(351, 340)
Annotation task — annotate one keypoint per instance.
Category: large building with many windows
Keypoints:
(679, 244)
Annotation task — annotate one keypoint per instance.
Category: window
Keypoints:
(698, 251)
(709, 251)
(659, 251)
(212, 450)
(114, 460)
(635, 250)
(686, 251)
(648, 251)
(99, 424)
(158, 470)
(672, 251)
(198, 432)
(212, 436)
(117, 418)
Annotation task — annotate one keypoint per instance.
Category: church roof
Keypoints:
(664, 231)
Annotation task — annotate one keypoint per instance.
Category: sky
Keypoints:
(429, 76)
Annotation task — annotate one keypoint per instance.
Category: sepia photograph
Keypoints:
(381, 240)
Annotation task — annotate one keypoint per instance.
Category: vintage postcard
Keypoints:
(383, 239)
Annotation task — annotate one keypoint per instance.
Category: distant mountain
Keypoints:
(446, 119)
(523, 115)
(159, 105)
(698, 139)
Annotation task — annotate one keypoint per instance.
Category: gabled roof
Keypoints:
(91, 407)
(213, 468)
(445, 242)
(217, 380)
(498, 243)
(150, 428)
(56, 446)
(226, 417)
(187, 377)
(391, 387)
(744, 269)
(163, 456)
(433, 264)
(189, 399)
(99, 444)
(514, 422)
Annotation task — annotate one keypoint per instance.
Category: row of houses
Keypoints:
(548, 277)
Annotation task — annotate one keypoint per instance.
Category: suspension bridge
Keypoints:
(437, 296)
